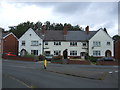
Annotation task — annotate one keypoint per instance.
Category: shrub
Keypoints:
(41, 57)
(57, 57)
(29, 55)
(91, 58)
(75, 57)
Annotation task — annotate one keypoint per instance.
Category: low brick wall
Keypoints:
(19, 58)
(107, 63)
(56, 61)
(85, 62)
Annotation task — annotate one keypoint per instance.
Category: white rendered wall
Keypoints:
(28, 39)
(64, 45)
(103, 37)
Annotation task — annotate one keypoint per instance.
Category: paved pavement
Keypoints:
(57, 75)
(12, 82)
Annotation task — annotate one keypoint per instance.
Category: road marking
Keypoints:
(110, 72)
(116, 71)
(20, 66)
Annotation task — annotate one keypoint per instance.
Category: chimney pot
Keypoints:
(87, 29)
(65, 30)
(43, 29)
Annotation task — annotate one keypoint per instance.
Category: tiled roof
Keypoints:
(4, 34)
(79, 35)
(51, 35)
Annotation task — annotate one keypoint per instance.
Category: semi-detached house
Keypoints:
(79, 43)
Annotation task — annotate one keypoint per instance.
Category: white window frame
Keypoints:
(73, 53)
(46, 43)
(96, 53)
(73, 43)
(23, 43)
(57, 52)
(57, 43)
(34, 43)
(96, 43)
(84, 43)
(108, 43)
(34, 52)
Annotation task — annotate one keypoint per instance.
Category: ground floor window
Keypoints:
(96, 53)
(47, 52)
(73, 53)
(57, 52)
(34, 52)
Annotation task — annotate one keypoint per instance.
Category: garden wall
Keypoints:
(19, 58)
(85, 62)
(107, 63)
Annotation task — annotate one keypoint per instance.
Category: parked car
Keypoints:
(106, 59)
(9, 54)
(48, 56)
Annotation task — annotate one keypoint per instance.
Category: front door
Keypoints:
(108, 53)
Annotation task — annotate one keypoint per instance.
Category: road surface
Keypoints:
(32, 75)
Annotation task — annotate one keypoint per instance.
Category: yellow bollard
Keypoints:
(45, 64)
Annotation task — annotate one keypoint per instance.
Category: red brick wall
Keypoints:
(19, 58)
(117, 50)
(107, 63)
(10, 44)
(85, 62)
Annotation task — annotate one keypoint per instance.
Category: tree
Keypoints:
(47, 23)
(116, 37)
(38, 26)
(21, 28)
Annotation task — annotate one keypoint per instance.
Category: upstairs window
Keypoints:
(34, 43)
(23, 43)
(73, 43)
(96, 43)
(57, 43)
(46, 43)
(108, 43)
(84, 44)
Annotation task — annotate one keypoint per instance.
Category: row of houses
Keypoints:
(79, 43)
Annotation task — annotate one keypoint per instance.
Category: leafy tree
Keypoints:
(38, 26)
(21, 28)
(116, 37)
(47, 23)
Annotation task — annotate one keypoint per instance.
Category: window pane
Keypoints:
(96, 44)
(108, 43)
(73, 53)
(34, 52)
(34, 43)
(96, 53)
(57, 52)
(23, 43)
(57, 43)
(46, 43)
(73, 43)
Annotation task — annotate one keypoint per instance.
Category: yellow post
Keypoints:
(45, 63)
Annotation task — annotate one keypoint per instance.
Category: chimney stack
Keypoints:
(43, 29)
(65, 30)
(87, 29)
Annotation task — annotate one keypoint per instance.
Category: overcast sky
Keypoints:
(94, 14)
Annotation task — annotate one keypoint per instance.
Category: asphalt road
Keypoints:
(32, 75)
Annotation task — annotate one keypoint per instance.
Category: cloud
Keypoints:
(94, 14)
